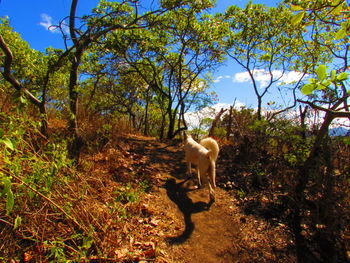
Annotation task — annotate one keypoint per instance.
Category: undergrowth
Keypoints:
(50, 210)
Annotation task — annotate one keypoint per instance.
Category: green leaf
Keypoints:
(320, 86)
(312, 80)
(7, 184)
(333, 75)
(296, 19)
(87, 242)
(295, 7)
(321, 72)
(307, 89)
(7, 143)
(342, 76)
(18, 222)
(327, 83)
(266, 57)
(9, 202)
(338, 9)
(22, 99)
(340, 34)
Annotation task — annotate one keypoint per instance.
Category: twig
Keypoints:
(6, 222)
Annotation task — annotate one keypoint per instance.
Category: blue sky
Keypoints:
(31, 19)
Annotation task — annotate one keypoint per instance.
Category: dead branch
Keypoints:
(215, 121)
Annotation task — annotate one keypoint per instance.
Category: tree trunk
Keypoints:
(303, 178)
(171, 126)
(162, 127)
(146, 127)
(215, 121)
(259, 108)
(77, 142)
(44, 120)
(303, 113)
(229, 126)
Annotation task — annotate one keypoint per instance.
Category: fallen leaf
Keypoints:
(151, 253)
(28, 256)
(121, 253)
(154, 222)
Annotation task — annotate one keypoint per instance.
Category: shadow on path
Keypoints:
(169, 156)
(178, 194)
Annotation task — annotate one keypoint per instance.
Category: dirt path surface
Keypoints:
(196, 230)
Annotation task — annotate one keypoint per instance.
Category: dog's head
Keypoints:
(186, 137)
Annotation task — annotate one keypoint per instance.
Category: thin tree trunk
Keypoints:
(229, 127)
(146, 127)
(303, 113)
(77, 142)
(215, 121)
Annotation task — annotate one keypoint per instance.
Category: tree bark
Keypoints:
(215, 121)
(229, 126)
(146, 124)
(303, 179)
(77, 142)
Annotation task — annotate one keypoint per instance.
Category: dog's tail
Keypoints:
(212, 146)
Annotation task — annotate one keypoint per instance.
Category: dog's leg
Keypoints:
(211, 193)
(199, 178)
(212, 173)
(212, 184)
(189, 169)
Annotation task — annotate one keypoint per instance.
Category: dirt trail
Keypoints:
(201, 231)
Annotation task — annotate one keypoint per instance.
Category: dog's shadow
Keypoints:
(178, 194)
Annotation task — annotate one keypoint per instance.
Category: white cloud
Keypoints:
(194, 119)
(290, 77)
(47, 22)
(263, 77)
(218, 79)
(241, 77)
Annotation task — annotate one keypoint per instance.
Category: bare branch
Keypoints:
(336, 114)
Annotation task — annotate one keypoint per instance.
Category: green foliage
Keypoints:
(18, 155)
(324, 81)
(18, 222)
(167, 64)
(219, 132)
(7, 191)
(263, 39)
(126, 194)
(241, 194)
(327, 25)
(297, 18)
(28, 64)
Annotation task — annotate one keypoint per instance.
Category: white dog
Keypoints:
(204, 155)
